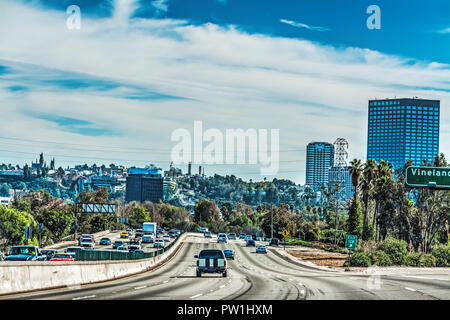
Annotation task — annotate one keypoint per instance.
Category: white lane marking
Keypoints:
(85, 297)
(426, 278)
(410, 289)
(142, 287)
(196, 296)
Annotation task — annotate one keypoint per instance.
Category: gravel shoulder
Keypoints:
(324, 259)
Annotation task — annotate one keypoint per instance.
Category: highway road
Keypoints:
(255, 276)
(114, 235)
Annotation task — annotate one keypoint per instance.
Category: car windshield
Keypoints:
(61, 256)
(210, 254)
(23, 250)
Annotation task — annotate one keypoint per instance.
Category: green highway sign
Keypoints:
(431, 177)
(351, 241)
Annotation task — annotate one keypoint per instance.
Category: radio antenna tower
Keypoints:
(340, 152)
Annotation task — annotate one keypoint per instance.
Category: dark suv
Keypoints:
(211, 261)
(274, 242)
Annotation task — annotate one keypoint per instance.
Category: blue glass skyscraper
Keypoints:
(319, 161)
(403, 129)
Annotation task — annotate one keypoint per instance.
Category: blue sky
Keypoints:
(138, 70)
(410, 28)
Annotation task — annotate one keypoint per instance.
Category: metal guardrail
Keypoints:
(102, 255)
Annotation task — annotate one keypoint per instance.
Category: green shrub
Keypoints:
(412, 259)
(305, 243)
(420, 259)
(442, 255)
(380, 258)
(427, 260)
(360, 259)
(396, 249)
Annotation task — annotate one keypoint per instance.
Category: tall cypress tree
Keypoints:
(355, 218)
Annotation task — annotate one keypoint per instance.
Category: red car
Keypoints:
(62, 257)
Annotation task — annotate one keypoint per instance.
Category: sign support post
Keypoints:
(350, 243)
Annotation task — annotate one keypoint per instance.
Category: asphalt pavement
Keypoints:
(256, 276)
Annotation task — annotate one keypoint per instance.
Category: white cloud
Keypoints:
(303, 25)
(161, 5)
(445, 30)
(232, 79)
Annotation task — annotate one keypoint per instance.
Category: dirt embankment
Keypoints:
(319, 257)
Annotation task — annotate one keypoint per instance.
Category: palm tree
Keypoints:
(356, 171)
(382, 191)
(369, 173)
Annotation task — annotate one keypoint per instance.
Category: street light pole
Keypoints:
(271, 223)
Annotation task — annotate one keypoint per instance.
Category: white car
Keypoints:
(147, 238)
(166, 238)
(87, 243)
(123, 249)
(158, 243)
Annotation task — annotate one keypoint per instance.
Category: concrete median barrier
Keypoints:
(37, 275)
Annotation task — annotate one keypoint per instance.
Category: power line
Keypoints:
(65, 144)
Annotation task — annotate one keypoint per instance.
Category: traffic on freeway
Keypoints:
(125, 241)
(207, 268)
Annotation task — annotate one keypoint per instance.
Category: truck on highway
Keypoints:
(25, 253)
(149, 228)
(211, 261)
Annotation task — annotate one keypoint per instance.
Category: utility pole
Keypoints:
(75, 211)
(123, 214)
(271, 223)
(336, 226)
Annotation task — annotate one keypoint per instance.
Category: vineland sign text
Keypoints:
(428, 177)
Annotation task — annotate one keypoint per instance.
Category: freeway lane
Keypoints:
(254, 276)
(114, 235)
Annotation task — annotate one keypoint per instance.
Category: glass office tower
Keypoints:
(319, 160)
(403, 129)
(144, 184)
